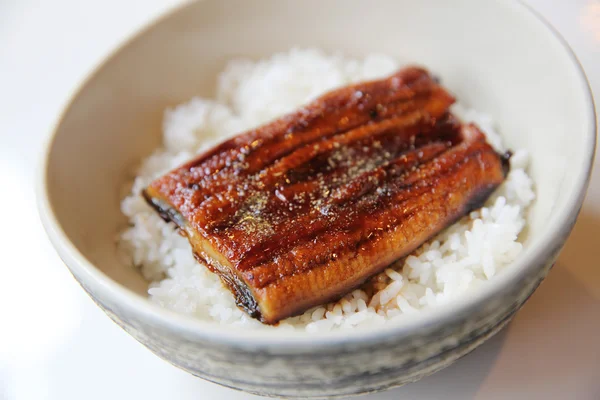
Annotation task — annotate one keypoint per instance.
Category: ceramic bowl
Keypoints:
(495, 55)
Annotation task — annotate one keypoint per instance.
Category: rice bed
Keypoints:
(250, 93)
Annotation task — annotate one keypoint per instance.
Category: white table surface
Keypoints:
(56, 344)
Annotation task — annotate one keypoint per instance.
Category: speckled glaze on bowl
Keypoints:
(496, 55)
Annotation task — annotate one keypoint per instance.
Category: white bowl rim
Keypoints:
(257, 339)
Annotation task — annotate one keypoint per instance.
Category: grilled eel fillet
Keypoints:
(304, 209)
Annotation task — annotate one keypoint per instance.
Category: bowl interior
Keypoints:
(494, 55)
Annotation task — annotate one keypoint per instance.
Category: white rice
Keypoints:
(250, 93)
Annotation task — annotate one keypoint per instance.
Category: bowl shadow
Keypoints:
(449, 383)
(550, 347)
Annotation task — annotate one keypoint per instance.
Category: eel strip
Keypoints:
(302, 210)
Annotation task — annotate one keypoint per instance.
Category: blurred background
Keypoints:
(56, 344)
